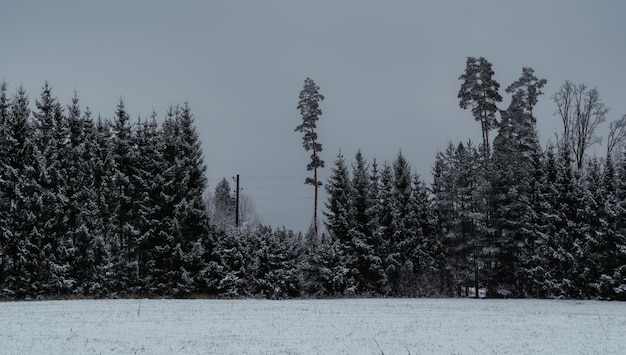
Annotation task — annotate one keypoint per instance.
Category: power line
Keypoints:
(281, 197)
(276, 189)
(272, 177)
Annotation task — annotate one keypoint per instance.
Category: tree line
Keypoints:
(106, 207)
(510, 218)
(99, 207)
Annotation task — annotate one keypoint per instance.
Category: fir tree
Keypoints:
(403, 232)
(86, 255)
(223, 204)
(374, 273)
(185, 183)
(125, 232)
(5, 201)
(152, 251)
(339, 208)
(363, 196)
(19, 190)
(386, 229)
(340, 219)
(51, 233)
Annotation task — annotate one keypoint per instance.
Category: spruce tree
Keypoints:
(20, 191)
(224, 205)
(386, 229)
(612, 236)
(402, 234)
(619, 272)
(339, 212)
(427, 255)
(5, 201)
(188, 223)
(376, 279)
(124, 192)
(362, 234)
(339, 220)
(50, 139)
(444, 212)
(87, 255)
(149, 180)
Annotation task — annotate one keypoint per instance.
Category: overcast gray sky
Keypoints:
(389, 71)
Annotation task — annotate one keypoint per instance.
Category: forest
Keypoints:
(100, 207)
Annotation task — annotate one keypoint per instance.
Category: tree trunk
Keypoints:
(315, 201)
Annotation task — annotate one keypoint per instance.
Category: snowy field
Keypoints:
(356, 326)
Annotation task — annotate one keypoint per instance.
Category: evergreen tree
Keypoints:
(340, 219)
(459, 202)
(611, 246)
(527, 90)
(403, 236)
(19, 191)
(550, 221)
(563, 240)
(185, 183)
(617, 278)
(339, 208)
(104, 186)
(594, 230)
(310, 112)
(124, 192)
(86, 254)
(443, 209)
(362, 235)
(515, 165)
(427, 256)
(224, 204)
(5, 202)
(385, 230)
(509, 205)
(274, 258)
(50, 138)
(148, 179)
(480, 91)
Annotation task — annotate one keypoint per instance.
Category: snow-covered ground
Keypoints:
(347, 326)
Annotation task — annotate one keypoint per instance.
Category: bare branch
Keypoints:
(617, 134)
(581, 111)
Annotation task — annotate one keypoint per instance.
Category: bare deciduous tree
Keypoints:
(223, 214)
(617, 135)
(581, 111)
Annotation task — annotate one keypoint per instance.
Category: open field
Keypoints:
(346, 326)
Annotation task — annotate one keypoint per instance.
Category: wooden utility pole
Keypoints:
(237, 202)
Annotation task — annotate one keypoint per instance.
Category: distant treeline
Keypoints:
(106, 207)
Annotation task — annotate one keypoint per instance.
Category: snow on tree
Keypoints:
(20, 195)
(124, 226)
(339, 219)
(365, 245)
(87, 255)
(459, 202)
(339, 214)
(186, 184)
(224, 204)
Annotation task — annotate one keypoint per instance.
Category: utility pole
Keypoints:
(237, 203)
